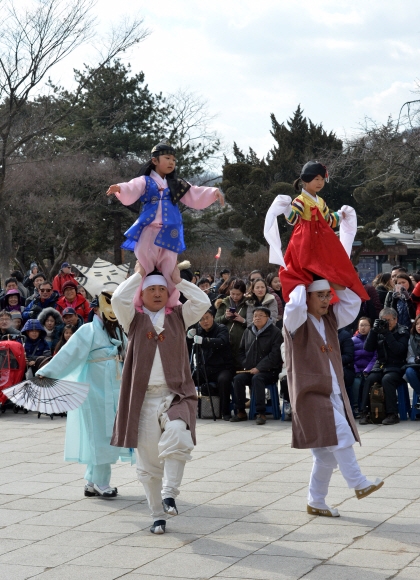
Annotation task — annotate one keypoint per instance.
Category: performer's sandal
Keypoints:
(374, 486)
(329, 513)
(169, 506)
(158, 527)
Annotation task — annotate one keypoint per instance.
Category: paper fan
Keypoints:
(48, 395)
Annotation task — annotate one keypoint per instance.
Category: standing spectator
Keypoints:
(255, 275)
(65, 275)
(70, 316)
(204, 285)
(19, 277)
(6, 326)
(363, 363)
(214, 340)
(260, 357)
(9, 284)
(401, 301)
(383, 285)
(71, 299)
(81, 290)
(17, 320)
(53, 325)
(28, 280)
(67, 332)
(224, 288)
(390, 340)
(35, 344)
(47, 299)
(347, 358)
(231, 311)
(12, 302)
(224, 275)
(260, 296)
(37, 280)
(412, 372)
(274, 286)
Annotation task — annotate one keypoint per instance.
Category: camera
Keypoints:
(232, 310)
(382, 325)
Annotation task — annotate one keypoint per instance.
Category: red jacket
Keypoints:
(60, 279)
(80, 305)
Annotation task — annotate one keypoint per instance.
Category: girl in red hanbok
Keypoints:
(314, 250)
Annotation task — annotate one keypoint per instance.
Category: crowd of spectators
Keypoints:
(238, 342)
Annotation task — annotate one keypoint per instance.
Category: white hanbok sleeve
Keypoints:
(347, 309)
(348, 227)
(281, 205)
(123, 300)
(196, 305)
(296, 310)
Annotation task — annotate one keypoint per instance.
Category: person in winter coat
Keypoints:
(412, 372)
(363, 363)
(261, 358)
(219, 366)
(47, 299)
(347, 358)
(400, 299)
(72, 299)
(383, 285)
(65, 274)
(53, 325)
(274, 287)
(24, 292)
(36, 281)
(390, 340)
(12, 302)
(35, 344)
(28, 280)
(260, 296)
(6, 325)
(231, 312)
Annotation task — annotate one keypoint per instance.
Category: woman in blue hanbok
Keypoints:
(93, 355)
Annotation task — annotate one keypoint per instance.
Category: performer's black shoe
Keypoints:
(169, 506)
(158, 527)
(90, 491)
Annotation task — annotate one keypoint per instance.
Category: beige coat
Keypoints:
(310, 384)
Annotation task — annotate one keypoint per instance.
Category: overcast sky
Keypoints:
(341, 60)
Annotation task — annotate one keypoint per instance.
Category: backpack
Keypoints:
(377, 403)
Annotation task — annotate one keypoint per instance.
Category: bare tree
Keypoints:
(32, 41)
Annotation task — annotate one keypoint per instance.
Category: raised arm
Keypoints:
(348, 308)
(296, 310)
(123, 300)
(128, 193)
(201, 197)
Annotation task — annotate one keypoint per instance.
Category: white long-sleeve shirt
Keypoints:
(296, 314)
(192, 310)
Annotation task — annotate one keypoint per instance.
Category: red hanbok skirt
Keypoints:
(315, 249)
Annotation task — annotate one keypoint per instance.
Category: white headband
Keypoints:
(318, 285)
(154, 280)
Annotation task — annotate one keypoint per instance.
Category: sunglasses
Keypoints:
(47, 290)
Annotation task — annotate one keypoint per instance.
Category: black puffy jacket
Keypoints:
(216, 348)
(263, 351)
(391, 347)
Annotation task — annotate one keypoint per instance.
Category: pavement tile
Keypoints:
(222, 547)
(63, 517)
(7, 545)
(120, 557)
(77, 538)
(17, 572)
(70, 572)
(330, 572)
(318, 550)
(325, 533)
(37, 505)
(25, 532)
(401, 524)
(377, 559)
(43, 555)
(270, 567)
(388, 542)
(409, 573)
(253, 531)
(172, 540)
(187, 566)
(9, 517)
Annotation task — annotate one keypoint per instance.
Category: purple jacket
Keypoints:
(363, 360)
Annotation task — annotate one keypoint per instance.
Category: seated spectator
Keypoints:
(260, 296)
(68, 331)
(383, 285)
(47, 298)
(6, 325)
(218, 361)
(19, 277)
(28, 280)
(401, 301)
(65, 275)
(37, 280)
(412, 372)
(17, 320)
(71, 299)
(9, 284)
(255, 275)
(231, 312)
(36, 347)
(53, 325)
(390, 340)
(363, 363)
(347, 358)
(70, 316)
(415, 278)
(260, 356)
(12, 302)
(81, 290)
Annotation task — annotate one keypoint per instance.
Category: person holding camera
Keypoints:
(213, 338)
(390, 340)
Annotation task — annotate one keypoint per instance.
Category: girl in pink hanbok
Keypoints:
(157, 236)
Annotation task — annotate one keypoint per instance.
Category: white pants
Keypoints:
(326, 460)
(162, 450)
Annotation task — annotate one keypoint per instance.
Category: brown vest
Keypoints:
(310, 384)
(142, 345)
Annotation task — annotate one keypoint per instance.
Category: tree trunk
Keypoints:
(6, 248)
(118, 238)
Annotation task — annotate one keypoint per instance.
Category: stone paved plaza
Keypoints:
(242, 510)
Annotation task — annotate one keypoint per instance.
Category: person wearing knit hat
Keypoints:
(157, 236)
(72, 299)
(314, 248)
(65, 274)
(322, 418)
